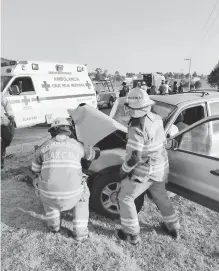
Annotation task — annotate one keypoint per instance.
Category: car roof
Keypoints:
(186, 97)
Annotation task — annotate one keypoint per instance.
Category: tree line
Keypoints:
(212, 78)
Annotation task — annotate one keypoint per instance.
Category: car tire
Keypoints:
(111, 102)
(108, 181)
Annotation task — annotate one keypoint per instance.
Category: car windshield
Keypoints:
(4, 81)
(119, 113)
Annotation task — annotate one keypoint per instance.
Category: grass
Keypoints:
(27, 244)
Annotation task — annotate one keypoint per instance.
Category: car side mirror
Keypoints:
(15, 90)
(171, 144)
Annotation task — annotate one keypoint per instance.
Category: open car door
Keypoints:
(194, 163)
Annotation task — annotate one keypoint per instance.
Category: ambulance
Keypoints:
(39, 91)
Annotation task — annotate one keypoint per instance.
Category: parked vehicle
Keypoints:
(106, 94)
(195, 178)
(41, 91)
(153, 79)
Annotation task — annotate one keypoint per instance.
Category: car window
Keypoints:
(202, 139)
(24, 84)
(4, 81)
(214, 108)
(164, 110)
(189, 116)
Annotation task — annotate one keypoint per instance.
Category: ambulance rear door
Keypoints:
(26, 106)
(64, 89)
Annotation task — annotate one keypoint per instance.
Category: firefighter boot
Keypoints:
(172, 229)
(132, 239)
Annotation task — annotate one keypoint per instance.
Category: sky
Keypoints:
(117, 35)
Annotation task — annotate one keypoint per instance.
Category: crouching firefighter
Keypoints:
(60, 181)
(7, 127)
(145, 167)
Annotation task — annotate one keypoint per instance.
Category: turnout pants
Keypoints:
(7, 134)
(80, 208)
(130, 190)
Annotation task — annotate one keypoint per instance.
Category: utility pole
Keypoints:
(190, 61)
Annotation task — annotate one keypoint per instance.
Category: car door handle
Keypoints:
(215, 172)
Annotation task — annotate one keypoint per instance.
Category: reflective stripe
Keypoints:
(53, 215)
(126, 168)
(60, 166)
(62, 161)
(61, 195)
(91, 154)
(35, 167)
(52, 212)
(129, 222)
(153, 147)
(134, 145)
(82, 223)
(171, 218)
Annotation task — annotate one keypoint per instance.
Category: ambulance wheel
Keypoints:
(104, 191)
(111, 102)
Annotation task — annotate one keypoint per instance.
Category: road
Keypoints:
(28, 135)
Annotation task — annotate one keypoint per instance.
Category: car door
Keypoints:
(25, 106)
(194, 163)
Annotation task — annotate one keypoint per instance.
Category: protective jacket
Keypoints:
(6, 111)
(146, 156)
(58, 162)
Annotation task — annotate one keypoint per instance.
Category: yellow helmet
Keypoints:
(59, 122)
(138, 99)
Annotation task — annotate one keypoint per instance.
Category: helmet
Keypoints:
(143, 83)
(59, 122)
(138, 99)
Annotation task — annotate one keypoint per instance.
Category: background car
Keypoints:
(106, 94)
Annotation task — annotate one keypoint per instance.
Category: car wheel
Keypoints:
(104, 192)
(111, 102)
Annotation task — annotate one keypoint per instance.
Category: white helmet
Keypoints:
(59, 122)
(138, 99)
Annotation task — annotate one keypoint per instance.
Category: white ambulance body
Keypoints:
(39, 92)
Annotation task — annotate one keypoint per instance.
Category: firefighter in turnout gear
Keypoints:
(7, 127)
(60, 182)
(145, 167)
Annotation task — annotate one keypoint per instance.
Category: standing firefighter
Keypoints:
(145, 167)
(7, 127)
(60, 180)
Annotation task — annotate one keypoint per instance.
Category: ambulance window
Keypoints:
(25, 84)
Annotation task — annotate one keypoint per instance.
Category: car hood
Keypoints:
(92, 125)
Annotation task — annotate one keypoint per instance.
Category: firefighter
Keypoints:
(60, 181)
(7, 127)
(124, 90)
(145, 167)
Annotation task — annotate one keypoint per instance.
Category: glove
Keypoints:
(11, 118)
(122, 175)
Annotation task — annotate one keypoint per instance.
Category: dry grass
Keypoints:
(27, 245)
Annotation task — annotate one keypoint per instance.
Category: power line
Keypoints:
(209, 16)
(213, 22)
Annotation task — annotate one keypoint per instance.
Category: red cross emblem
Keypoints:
(46, 86)
(88, 85)
(25, 100)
